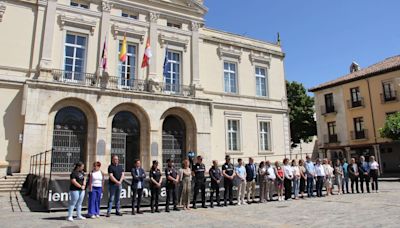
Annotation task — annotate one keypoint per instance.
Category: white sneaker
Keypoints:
(238, 204)
(244, 203)
(80, 218)
(97, 216)
(93, 216)
(70, 219)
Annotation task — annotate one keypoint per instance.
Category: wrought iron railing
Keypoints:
(73, 77)
(178, 89)
(355, 104)
(389, 96)
(362, 134)
(40, 164)
(127, 84)
(331, 138)
(327, 109)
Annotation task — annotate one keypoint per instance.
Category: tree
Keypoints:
(302, 123)
(391, 129)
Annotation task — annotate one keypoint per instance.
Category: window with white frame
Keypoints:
(79, 4)
(261, 82)
(74, 59)
(230, 80)
(127, 69)
(265, 135)
(233, 135)
(172, 71)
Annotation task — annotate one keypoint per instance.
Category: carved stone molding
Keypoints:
(80, 21)
(2, 10)
(117, 29)
(174, 40)
(42, 2)
(106, 6)
(154, 17)
(260, 58)
(229, 52)
(195, 26)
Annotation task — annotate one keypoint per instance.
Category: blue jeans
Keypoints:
(76, 199)
(94, 201)
(310, 186)
(115, 193)
(296, 187)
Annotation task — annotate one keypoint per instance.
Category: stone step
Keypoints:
(13, 178)
(11, 186)
(3, 182)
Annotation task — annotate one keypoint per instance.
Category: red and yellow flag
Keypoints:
(122, 53)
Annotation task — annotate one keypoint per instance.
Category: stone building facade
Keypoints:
(207, 91)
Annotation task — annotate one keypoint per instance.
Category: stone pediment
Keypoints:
(194, 5)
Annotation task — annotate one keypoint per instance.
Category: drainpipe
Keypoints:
(376, 147)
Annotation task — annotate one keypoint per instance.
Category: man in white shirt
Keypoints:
(320, 173)
(287, 182)
(241, 174)
(270, 181)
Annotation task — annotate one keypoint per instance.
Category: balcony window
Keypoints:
(172, 72)
(174, 25)
(329, 105)
(359, 131)
(127, 69)
(230, 82)
(356, 100)
(74, 57)
(389, 94)
(129, 15)
(332, 136)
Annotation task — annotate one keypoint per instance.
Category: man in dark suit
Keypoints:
(353, 174)
(251, 175)
(138, 176)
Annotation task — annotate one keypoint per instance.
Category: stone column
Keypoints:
(195, 79)
(347, 153)
(377, 154)
(152, 70)
(104, 31)
(46, 63)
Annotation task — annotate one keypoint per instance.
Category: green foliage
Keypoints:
(302, 123)
(391, 129)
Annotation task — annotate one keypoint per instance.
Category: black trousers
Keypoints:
(374, 177)
(199, 186)
(228, 192)
(354, 181)
(288, 188)
(320, 184)
(171, 192)
(364, 178)
(136, 200)
(155, 192)
(214, 189)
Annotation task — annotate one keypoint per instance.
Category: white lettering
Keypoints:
(56, 196)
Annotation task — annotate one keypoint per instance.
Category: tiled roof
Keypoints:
(387, 65)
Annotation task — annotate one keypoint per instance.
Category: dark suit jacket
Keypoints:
(250, 173)
(137, 178)
(352, 173)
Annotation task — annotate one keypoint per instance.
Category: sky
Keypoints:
(320, 38)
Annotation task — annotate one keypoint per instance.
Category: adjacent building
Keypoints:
(207, 91)
(351, 109)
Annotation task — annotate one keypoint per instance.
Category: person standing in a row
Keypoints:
(138, 176)
(172, 181)
(155, 186)
(95, 187)
(241, 175)
(345, 185)
(310, 173)
(262, 179)
(320, 174)
(287, 182)
(303, 177)
(251, 175)
(280, 176)
(186, 184)
(353, 174)
(364, 170)
(229, 174)
(216, 177)
(374, 173)
(116, 177)
(271, 178)
(198, 171)
(339, 176)
(76, 191)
